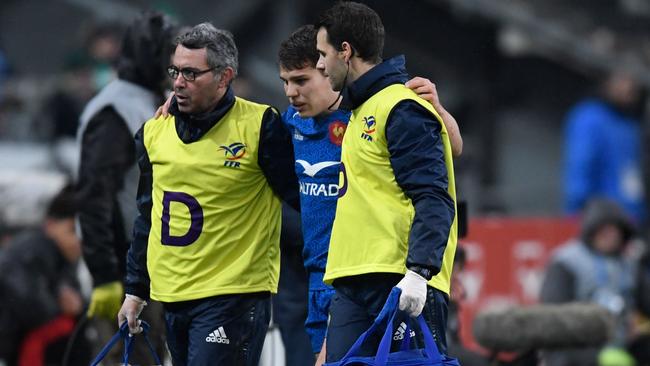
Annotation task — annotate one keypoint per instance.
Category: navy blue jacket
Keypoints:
(275, 158)
(417, 159)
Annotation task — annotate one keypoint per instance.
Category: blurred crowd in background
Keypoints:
(551, 98)
(509, 70)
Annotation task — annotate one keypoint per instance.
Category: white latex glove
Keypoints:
(414, 293)
(130, 311)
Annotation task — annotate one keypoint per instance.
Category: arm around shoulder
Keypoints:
(427, 90)
(453, 131)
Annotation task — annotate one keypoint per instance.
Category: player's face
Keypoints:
(308, 90)
(202, 93)
(331, 61)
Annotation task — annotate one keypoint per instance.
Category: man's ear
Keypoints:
(226, 77)
(348, 51)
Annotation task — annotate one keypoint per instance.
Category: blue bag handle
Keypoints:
(123, 333)
(430, 347)
(391, 304)
(391, 309)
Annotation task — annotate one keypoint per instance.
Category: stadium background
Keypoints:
(507, 70)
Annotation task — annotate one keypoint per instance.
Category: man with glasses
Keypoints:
(206, 241)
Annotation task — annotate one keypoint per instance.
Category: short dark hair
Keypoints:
(63, 205)
(299, 50)
(356, 24)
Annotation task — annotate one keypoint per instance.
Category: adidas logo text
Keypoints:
(218, 336)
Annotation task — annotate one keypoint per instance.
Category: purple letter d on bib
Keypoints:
(196, 215)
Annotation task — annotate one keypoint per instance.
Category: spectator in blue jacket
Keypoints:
(602, 156)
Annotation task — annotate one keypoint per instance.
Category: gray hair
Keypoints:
(219, 43)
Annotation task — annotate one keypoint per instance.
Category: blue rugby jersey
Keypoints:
(317, 151)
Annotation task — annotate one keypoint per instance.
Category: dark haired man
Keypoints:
(395, 218)
(318, 127)
(206, 240)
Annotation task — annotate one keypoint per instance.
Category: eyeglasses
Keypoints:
(188, 74)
